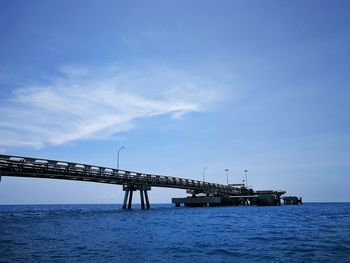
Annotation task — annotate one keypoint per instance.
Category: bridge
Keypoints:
(21, 166)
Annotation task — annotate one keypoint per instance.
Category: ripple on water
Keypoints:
(312, 232)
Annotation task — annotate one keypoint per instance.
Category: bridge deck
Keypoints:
(42, 168)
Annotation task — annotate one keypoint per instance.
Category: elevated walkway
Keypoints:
(212, 194)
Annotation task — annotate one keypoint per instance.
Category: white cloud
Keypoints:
(87, 103)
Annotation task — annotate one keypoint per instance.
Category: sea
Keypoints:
(312, 232)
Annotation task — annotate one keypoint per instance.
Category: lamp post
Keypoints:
(226, 170)
(203, 173)
(118, 156)
(246, 180)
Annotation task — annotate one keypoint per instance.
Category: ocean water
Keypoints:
(313, 232)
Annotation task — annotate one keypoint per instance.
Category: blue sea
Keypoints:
(312, 232)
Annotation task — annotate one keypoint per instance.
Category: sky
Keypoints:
(182, 85)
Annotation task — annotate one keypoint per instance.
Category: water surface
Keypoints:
(313, 232)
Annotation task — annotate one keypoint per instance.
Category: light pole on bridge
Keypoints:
(226, 170)
(203, 173)
(246, 179)
(118, 156)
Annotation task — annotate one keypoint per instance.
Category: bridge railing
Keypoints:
(86, 171)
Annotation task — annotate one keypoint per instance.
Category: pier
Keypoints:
(247, 198)
(201, 193)
(292, 200)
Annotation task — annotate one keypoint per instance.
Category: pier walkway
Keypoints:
(131, 181)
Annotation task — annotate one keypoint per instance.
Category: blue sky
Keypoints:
(257, 85)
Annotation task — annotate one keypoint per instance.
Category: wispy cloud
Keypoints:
(82, 103)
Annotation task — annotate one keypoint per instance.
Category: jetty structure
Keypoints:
(200, 193)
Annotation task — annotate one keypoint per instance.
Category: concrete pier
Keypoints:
(200, 193)
(130, 189)
(125, 199)
(142, 200)
(146, 197)
(130, 199)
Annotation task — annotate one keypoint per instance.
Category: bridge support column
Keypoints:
(125, 199)
(130, 189)
(130, 199)
(147, 201)
(142, 199)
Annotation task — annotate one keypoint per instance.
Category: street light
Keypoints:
(246, 180)
(203, 173)
(226, 170)
(118, 156)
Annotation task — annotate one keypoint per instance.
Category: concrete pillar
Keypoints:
(130, 199)
(142, 200)
(147, 201)
(125, 199)
(278, 200)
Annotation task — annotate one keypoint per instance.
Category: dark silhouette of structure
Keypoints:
(20, 166)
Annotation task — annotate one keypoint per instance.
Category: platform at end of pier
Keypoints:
(259, 198)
